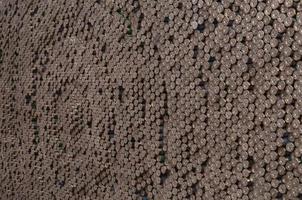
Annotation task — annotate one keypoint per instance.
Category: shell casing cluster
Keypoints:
(151, 99)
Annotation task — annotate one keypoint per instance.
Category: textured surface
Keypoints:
(146, 99)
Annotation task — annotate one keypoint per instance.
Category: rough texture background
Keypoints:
(150, 99)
